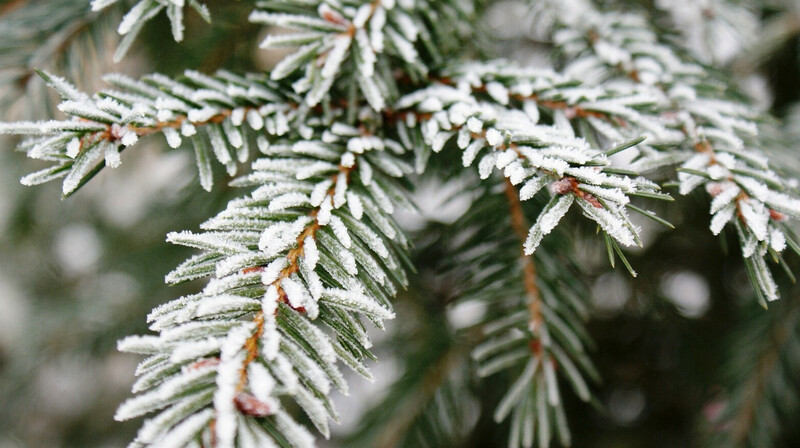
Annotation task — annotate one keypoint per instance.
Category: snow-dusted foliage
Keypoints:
(331, 140)
(541, 309)
(144, 11)
(713, 30)
(312, 254)
(352, 43)
(214, 113)
(720, 145)
(493, 111)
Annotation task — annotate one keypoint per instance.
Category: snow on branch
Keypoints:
(370, 91)
(144, 11)
(312, 244)
(48, 34)
(723, 151)
(359, 43)
(215, 113)
(713, 30)
(498, 116)
(533, 327)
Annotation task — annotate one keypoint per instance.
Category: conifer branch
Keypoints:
(533, 327)
(755, 389)
(532, 152)
(699, 23)
(315, 241)
(762, 369)
(363, 42)
(434, 390)
(398, 429)
(370, 92)
(104, 125)
(719, 135)
(146, 10)
(293, 257)
(54, 35)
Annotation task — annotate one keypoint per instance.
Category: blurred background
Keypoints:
(685, 352)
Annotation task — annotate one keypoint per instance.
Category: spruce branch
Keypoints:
(720, 135)
(358, 44)
(301, 264)
(437, 395)
(54, 35)
(312, 244)
(512, 139)
(704, 25)
(533, 328)
(146, 10)
(773, 33)
(307, 237)
(519, 225)
(107, 123)
(431, 403)
(761, 380)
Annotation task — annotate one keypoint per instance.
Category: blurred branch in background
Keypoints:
(75, 279)
(62, 36)
(760, 386)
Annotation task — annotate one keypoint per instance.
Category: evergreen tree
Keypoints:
(389, 165)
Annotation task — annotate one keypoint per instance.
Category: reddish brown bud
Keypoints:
(561, 186)
(554, 363)
(591, 199)
(253, 269)
(776, 215)
(333, 16)
(536, 346)
(204, 363)
(715, 188)
(252, 406)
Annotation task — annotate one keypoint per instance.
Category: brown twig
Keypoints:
(293, 266)
(520, 226)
